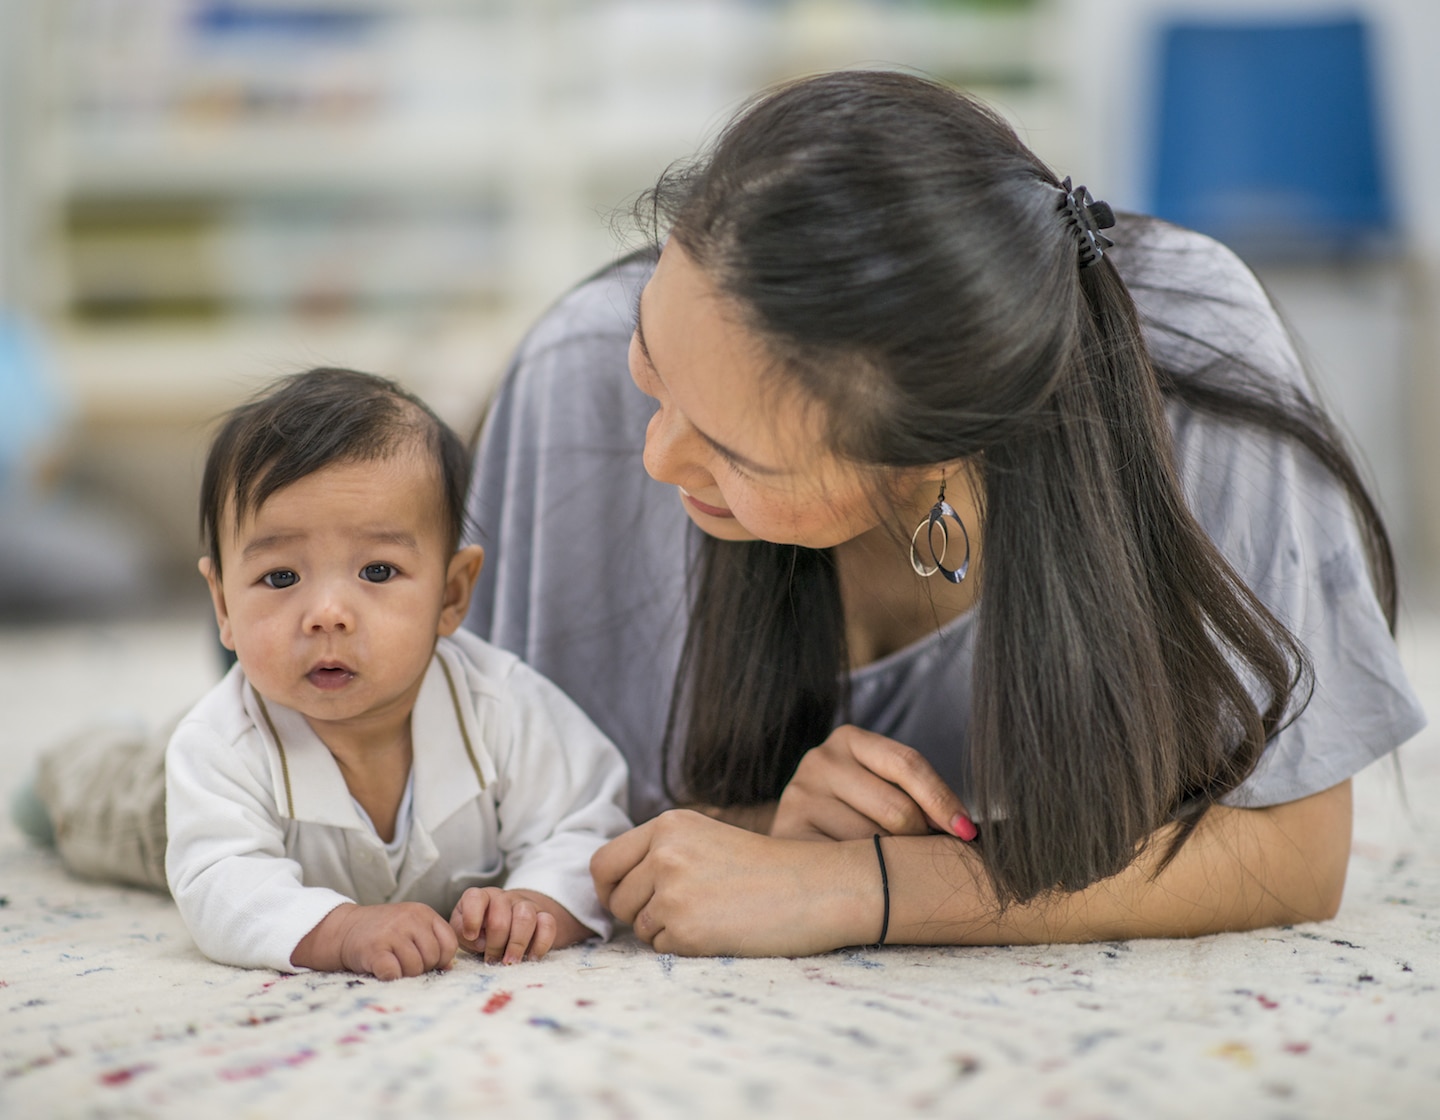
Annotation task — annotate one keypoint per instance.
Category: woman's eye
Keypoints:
(376, 573)
(280, 580)
(735, 468)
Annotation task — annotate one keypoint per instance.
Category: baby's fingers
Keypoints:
(443, 942)
(410, 953)
(522, 929)
(468, 919)
(497, 926)
(545, 930)
(386, 966)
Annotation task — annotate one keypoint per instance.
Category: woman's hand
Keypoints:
(857, 783)
(696, 886)
(693, 885)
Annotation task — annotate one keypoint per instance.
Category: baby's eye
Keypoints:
(376, 573)
(280, 580)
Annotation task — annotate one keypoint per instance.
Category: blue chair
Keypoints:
(1267, 138)
(30, 413)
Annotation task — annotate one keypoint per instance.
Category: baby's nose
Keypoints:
(329, 611)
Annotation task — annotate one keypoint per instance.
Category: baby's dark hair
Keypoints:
(309, 421)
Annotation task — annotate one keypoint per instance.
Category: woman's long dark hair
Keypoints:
(903, 256)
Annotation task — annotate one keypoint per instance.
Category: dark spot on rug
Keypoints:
(1365, 978)
(965, 1065)
(121, 1076)
(552, 1026)
(1345, 944)
(496, 1003)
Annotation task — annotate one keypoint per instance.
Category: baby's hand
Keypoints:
(505, 926)
(387, 941)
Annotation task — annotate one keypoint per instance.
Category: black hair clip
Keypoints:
(1088, 216)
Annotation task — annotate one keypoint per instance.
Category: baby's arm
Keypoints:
(509, 926)
(387, 941)
(241, 895)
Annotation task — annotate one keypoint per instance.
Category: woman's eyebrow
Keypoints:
(734, 456)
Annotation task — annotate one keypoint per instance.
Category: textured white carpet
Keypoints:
(108, 1010)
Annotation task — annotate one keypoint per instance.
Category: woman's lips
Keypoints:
(708, 511)
(328, 678)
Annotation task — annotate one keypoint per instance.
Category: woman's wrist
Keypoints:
(846, 892)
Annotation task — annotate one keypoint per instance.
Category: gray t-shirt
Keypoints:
(585, 574)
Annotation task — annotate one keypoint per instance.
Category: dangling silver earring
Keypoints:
(939, 512)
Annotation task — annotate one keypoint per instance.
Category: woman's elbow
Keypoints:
(1308, 857)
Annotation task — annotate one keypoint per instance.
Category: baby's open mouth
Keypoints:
(330, 676)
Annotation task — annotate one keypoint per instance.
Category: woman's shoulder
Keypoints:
(1155, 255)
(1199, 304)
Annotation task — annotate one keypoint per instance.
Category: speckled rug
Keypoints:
(108, 1010)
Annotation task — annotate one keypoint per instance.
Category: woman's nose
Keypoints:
(669, 453)
(670, 442)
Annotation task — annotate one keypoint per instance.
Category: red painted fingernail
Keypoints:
(963, 827)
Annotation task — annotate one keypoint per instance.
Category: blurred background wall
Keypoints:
(196, 196)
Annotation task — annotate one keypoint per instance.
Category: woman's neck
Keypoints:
(888, 605)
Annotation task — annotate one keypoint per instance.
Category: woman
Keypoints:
(989, 583)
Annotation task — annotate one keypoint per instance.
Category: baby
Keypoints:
(368, 766)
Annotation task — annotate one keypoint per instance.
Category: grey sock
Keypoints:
(29, 814)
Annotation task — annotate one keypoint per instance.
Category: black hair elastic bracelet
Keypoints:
(885, 890)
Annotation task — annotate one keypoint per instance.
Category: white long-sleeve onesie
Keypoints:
(513, 785)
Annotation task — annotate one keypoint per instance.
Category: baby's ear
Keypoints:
(460, 579)
(217, 599)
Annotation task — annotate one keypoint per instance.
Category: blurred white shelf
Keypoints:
(236, 160)
(404, 197)
(184, 375)
(543, 116)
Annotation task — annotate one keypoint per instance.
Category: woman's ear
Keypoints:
(217, 598)
(460, 579)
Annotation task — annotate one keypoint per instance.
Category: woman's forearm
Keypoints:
(1242, 869)
(695, 886)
